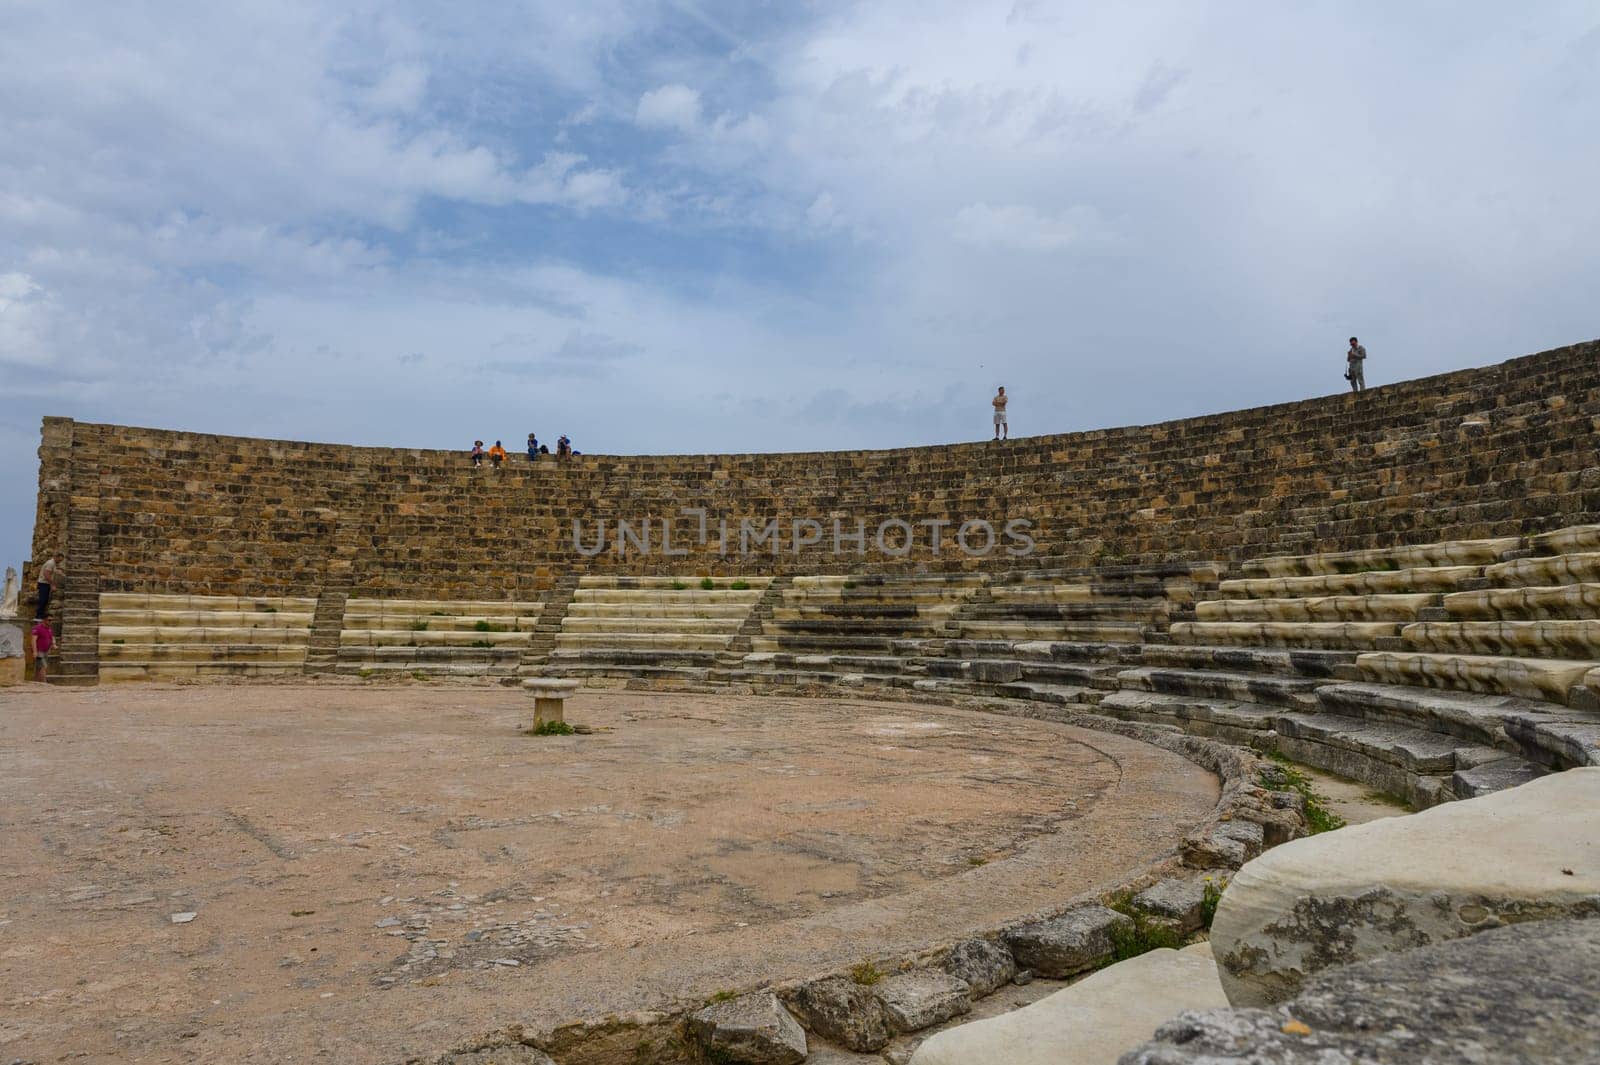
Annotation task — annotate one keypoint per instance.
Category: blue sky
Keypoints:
(695, 226)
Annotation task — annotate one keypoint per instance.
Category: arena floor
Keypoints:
(377, 873)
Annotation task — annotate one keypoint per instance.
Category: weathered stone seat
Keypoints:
(1316, 608)
(1531, 678)
(1449, 553)
(1528, 603)
(1311, 635)
(435, 637)
(152, 637)
(1536, 639)
(1430, 579)
(1241, 687)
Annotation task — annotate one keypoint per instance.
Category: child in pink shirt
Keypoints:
(43, 640)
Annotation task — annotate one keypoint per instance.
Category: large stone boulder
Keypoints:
(1529, 853)
(1092, 1021)
(1526, 993)
(841, 1010)
(984, 966)
(752, 1029)
(923, 998)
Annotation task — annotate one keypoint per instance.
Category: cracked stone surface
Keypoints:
(1479, 999)
(1062, 946)
(1454, 870)
(384, 872)
(750, 1030)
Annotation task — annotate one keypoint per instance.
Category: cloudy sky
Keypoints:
(687, 225)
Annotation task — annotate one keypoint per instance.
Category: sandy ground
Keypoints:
(382, 872)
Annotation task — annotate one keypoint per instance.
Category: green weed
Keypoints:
(1143, 935)
(419, 626)
(740, 586)
(678, 586)
(552, 728)
(706, 583)
(1318, 817)
(866, 974)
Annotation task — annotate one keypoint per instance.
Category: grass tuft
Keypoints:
(1208, 902)
(1318, 817)
(1143, 935)
(740, 586)
(419, 626)
(552, 728)
(678, 586)
(866, 974)
(707, 584)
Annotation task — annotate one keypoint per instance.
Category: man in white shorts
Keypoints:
(1000, 426)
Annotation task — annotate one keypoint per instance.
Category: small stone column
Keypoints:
(549, 695)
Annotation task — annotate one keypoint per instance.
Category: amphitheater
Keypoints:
(830, 797)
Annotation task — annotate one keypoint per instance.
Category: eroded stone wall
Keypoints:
(1496, 450)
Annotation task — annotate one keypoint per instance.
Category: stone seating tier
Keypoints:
(171, 637)
(435, 637)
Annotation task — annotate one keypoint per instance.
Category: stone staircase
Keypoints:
(543, 639)
(78, 611)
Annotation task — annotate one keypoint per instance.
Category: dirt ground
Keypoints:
(316, 874)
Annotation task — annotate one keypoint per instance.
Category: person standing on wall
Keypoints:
(1356, 357)
(1000, 426)
(48, 573)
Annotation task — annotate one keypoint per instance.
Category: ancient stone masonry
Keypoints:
(1501, 450)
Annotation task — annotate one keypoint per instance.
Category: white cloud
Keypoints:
(669, 107)
(1023, 228)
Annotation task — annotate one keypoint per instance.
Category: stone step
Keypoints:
(1532, 639)
(368, 655)
(649, 625)
(207, 618)
(1055, 632)
(893, 628)
(634, 657)
(430, 638)
(1311, 635)
(665, 641)
(1317, 608)
(1428, 579)
(492, 623)
(825, 663)
(737, 612)
(239, 634)
(1299, 692)
(1450, 553)
(1578, 568)
(792, 643)
(1245, 724)
(650, 675)
(1571, 540)
(1578, 600)
(160, 653)
(1529, 678)
(1053, 592)
(1480, 719)
(1135, 610)
(1044, 650)
(684, 597)
(119, 672)
(1281, 661)
(1413, 764)
(407, 609)
(469, 668)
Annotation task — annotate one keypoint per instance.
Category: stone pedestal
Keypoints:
(13, 651)
(549, 696)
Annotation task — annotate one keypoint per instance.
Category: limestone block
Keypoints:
(982, 964)
(920, 999)
(1091, 1022)
(1521, 994)
(1557, 569)
(1574, 538)
(1529, 678)
(1180, 901)
(1534, 639)
(1527, 853)
(1530, 604)
(752, 1029)
(1064, 946)
(1332, 635)
(1225, 845)
(841, 1010)
(1318, 608)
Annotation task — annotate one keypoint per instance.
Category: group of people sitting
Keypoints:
(497, 454)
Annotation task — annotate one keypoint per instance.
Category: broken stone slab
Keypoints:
(984, 965)
(1064, 946)
(1179, 901)
(752, 1029)
(923, 998)
(840, 1010)
(1528, 853)
(1475, 999)
(1092, 1021)
(1225, 845)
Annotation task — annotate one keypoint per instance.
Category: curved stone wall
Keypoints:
(1498, 450)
